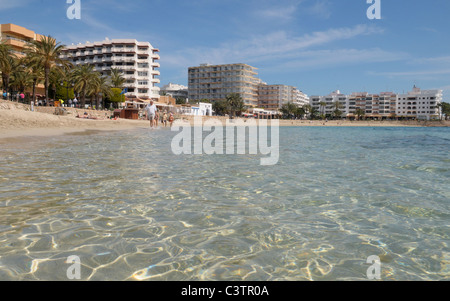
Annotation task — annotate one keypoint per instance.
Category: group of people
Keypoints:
(70, 103)
(154, 116)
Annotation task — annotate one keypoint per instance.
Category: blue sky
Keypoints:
(316, 45)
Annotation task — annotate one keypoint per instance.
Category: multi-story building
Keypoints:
(216, 82)
(175, 90)
(373, 105)
(18, 38)
(326, 105)
(422, 104)
(273, 97)
(300, 98)
(136, 60)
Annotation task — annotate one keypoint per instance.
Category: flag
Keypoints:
(124, 91)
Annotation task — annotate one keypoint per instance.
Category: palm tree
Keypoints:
(36, 71)
(337, 112)
(21, 80)
(360, 112)
(311, 111)
(235, 103)
(8, 66)
(99, 85)
(117, 79)
(8, 63)
(440, 107)
(323, 105)
(47, 53)
(82, 77)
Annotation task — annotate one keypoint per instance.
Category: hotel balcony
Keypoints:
(125, 68)
(124, 49)
(16, 43)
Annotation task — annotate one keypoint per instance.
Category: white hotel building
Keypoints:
(330, 100)
(137, 61)
(273, 97)
(422, 104)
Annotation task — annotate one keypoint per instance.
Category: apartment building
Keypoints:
(273, 97)
(175, 90)
(300, 98)
(373, 105)
(18, 38)
(326, 105)
(216, 82)
(136, 60)
(421, 104)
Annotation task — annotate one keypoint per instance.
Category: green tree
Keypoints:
(311, 111)
(116, 96)
(82, 77)
(100, 85)
(289, 110)
(236, 104)
(21, 80)
(8, 64)
(323, 106)
(220, 107)
(36, 71)
(180, 100)
(47, 53)
(64, 90)
(360, 112)
(117, 79)
(445, 109)
(299, 112)
(337, 113)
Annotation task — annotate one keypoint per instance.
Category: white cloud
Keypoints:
(261, 47)
(416, 73)
(321, 9)
(342, 57)
(277, 12)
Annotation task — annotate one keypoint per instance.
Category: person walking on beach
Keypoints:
(151, 113)
(156, 118)
(171, 119)
(164, 119)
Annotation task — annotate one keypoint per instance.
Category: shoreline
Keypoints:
(16, 120)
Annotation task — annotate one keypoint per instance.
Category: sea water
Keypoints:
(130, 209)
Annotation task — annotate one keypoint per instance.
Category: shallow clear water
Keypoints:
(131, 210)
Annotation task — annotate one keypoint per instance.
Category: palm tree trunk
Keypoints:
(33, 99)
(83, 99)
(47, 72)
(7, 86)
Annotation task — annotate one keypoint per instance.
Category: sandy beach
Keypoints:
(17, 120)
